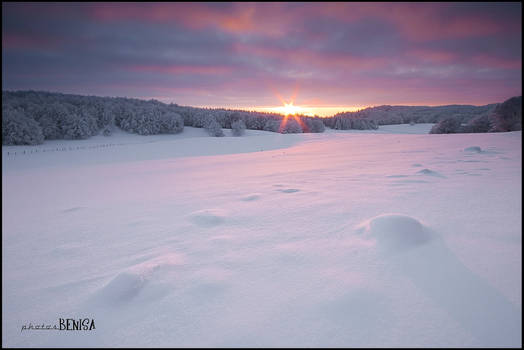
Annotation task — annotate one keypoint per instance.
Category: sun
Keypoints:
(290, 109)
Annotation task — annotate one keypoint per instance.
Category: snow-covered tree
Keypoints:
(314, 124)
(213, 127)
(17, 129)
(446, 126)
(171, 123)
(51, 119)
(272, 125)
(482, 123)
(75, 127)
(290, 126)
(507, 116)
(238, 127)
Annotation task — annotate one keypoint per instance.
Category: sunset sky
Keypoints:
(323, 56)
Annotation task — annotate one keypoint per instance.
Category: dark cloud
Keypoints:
(248, 53)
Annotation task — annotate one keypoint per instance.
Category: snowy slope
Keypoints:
(335, 239)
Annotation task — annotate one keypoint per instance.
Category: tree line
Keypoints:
(506, 116)
(30, 117)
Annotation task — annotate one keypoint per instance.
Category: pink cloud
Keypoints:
(420, 22)
(240, 18)
(16, 41)
(180, 69)
(490, 61)
(311, 58)
(439, 57)
(338, 53)
(417, 21)
(433, 56)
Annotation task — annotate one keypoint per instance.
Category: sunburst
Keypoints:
(290, 109)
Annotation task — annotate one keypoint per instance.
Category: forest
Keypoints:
(30, 117)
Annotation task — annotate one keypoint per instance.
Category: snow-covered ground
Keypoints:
(387, 238)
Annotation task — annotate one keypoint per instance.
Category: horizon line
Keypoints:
(266, 108)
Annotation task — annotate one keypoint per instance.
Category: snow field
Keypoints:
(335, 239)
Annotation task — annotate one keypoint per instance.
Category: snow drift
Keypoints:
(395, 232)
(298, 240)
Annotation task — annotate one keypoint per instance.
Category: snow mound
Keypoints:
(473, 149)
(430, 172)
(207, 217)
(124, 287)
(395, 232)
(130, 284)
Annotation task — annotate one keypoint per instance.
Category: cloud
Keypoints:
(214, 53)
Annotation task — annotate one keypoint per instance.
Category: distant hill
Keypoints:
(387, 115)
(506, 116)
(495, 117)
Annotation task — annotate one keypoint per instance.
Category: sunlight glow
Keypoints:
(290, 109)
(322, 111)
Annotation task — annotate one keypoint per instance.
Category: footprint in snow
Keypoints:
(289, 190)
(396, 176)
(407, 181)
(73, 209)
(207, 217)
(477, 149)
(473, 149)
(252, 197)
(430, 172)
